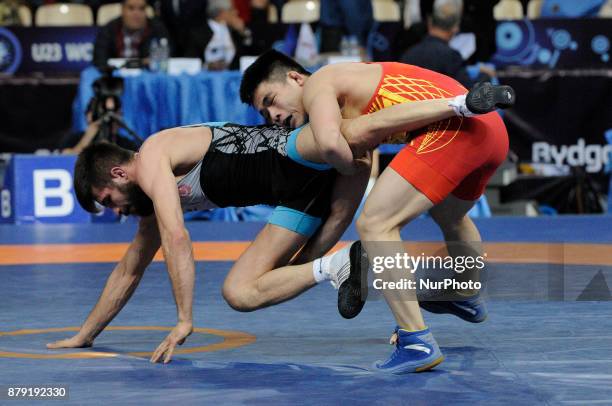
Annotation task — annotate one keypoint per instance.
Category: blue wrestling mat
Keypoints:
(528, 352)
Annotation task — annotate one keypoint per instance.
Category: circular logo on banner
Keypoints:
(10, 51)
(600, 44)
(516, 42)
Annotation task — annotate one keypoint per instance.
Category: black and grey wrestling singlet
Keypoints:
(248, 165)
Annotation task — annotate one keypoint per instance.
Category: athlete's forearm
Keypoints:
(123, 281)
(407, 116)
(336, 151)
(181, 268)
(118, 290)
(89, 135)
(325, 121)
(370, 130)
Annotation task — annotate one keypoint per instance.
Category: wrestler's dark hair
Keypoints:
(92, 169)
(269, 66)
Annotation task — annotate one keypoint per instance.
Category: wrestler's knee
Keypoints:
(239, 297)
(373, 227)
(453, 225)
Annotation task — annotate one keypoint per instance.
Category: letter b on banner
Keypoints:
(45, 193)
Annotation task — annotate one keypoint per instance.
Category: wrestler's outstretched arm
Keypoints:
(120, 285)
(366, 132)
(157, 180)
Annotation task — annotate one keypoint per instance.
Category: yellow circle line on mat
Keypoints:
(231, 339)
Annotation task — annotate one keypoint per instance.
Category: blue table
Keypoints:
(155, 101)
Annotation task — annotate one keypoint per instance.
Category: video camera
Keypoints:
(107, 87)
(105, 106)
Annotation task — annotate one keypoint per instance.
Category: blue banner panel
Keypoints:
(38, 189)
(554, 43)
(46, 49)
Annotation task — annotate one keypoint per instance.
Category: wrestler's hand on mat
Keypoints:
(73, 342)
(178, 335)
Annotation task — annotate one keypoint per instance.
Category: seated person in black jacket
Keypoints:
(186, 23)
(433, 51)
(128, 36)
(231, 37)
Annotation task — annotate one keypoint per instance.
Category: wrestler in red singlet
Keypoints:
(457, 155)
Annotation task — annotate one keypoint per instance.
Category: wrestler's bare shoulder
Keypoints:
(184, 147)
(354, 84)
(347, 75)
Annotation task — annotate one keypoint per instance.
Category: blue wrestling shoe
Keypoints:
(414, 352)
(473, 309)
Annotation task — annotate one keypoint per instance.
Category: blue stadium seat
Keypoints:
(571, 8)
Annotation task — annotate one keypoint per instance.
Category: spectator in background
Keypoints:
(243, 7)
(232, 37)
(414, 25)
(189, 24)
(478, 18)
(344, 17)
(186, 23)
(434, 53)
(263, 33)
(227, 28)
(9, 12)
(128, 36)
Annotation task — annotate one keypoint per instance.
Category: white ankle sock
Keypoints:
(459, 106)
(329, 267)
(320, 269)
